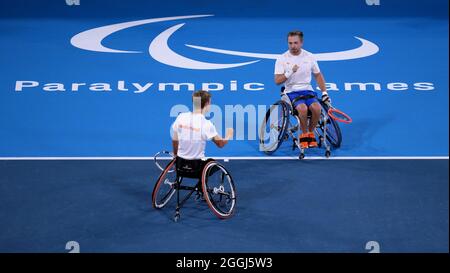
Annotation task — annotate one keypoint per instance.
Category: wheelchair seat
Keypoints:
(190, 168)
(214, 185)
(291, 103)
(276, 128)
(294, 110)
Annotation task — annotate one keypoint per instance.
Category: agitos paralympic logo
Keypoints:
(160, 51)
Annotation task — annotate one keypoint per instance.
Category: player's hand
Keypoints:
(290, 71)
(325, 98)
(229, 133)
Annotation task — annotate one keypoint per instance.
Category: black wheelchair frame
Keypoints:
(194, 169)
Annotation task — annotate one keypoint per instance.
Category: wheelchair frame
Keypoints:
(289, 129)
(201, 190)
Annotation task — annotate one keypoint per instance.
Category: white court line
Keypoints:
(239, 158)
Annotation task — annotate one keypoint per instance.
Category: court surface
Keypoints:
(95, 87)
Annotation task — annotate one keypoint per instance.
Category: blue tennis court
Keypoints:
(89, 89)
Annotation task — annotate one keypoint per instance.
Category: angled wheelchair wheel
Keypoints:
(165, 186)
(218, 190)
(334, 136)
(273, 128)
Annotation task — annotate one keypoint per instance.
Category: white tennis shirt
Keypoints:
(300, 80)
(193, 130)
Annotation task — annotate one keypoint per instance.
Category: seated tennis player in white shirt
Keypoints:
(293, 69)
(191, 130)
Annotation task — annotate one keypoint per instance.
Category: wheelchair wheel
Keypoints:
(334, 136)
(273, 128)
(165, 186)
(218, 190)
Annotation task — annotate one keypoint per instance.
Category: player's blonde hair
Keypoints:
(204, 96)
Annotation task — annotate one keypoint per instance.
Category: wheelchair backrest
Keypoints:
(189, 168)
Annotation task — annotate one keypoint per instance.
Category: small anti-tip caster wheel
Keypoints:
(301, 156)
(176, 218)
(327, 154)
(198, 197)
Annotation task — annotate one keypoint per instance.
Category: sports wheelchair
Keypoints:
(214, 185)
(281, 122)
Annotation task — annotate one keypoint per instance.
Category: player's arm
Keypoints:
(175, 143)
(321, 83)
(283, 71)
(221, 142)
(281, 78)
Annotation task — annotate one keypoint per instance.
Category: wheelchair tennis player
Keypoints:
(294, 69)
(190, 131)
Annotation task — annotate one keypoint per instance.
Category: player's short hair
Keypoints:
(296, 33)
(204, 96)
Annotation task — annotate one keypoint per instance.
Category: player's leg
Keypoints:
(315, 109)
(302, 110)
